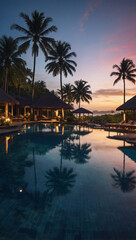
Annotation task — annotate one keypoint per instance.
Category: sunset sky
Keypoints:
(101, 32)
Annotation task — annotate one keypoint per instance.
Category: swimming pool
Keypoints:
(66, 183)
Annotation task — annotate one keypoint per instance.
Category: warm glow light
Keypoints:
(7, 119)
(7, 139)
(57, 129)
(20, 190)
(18, 134)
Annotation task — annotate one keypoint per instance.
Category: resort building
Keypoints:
(25, 105)
(82, 111)
(7, 101)
(49, 106)
(129, 105)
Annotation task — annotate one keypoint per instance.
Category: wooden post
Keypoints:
(57, 112)
(18, 112)
(47, 114)
(32, 111)
(38, 112)
(24, 111)
(52, 114)
(62, 113)
(124, 116)
(12, 109)
(6, 110)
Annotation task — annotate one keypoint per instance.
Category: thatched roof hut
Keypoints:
(25, 101)
(82, 110)
(6, 98)
(50, 101)
(129, 105)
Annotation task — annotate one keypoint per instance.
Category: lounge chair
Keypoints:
(18, 118)
(114, 125)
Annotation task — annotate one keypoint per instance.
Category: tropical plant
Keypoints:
(36, 32)
(40, 88)
(20, 80)
(125, 71)
(60, 61)
(81, 91)
(10, 58)
(67, 93)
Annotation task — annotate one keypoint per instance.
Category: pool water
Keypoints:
(66, 183)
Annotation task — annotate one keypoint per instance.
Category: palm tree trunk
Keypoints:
(33, 76)
(61, 83)
(124, 89)
(124, 114)
(6, 78)
(79, 107)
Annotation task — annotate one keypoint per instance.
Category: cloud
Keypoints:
(90, 8)
(113, 92)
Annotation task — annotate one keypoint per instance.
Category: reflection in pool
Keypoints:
(66, 183)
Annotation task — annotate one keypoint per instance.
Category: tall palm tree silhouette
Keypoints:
(36, 32)
(60, 61)
(68, 96)
(125, 71)
(81, 92)
(126, 181)
(10, 54)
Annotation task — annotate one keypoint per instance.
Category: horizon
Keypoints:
(101, 32)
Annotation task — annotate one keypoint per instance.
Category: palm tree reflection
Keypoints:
(126, 181)
(81, 153)
(76, 151)
(60, 180)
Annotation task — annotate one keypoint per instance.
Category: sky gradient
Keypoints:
(101, 32)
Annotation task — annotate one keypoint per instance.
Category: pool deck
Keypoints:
(13, 128)
(124, 137)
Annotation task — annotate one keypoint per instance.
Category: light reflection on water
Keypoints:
(66, 182)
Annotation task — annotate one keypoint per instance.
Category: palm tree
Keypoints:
(81, 91)
(67, 93)
(20, 80)
(36, 31)
(126, 70)
(10, 54)
(60, 61)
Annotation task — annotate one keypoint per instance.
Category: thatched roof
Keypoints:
(129, 105)
(6, 98)
(49, 100)
(82, 110)
(25, 101)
